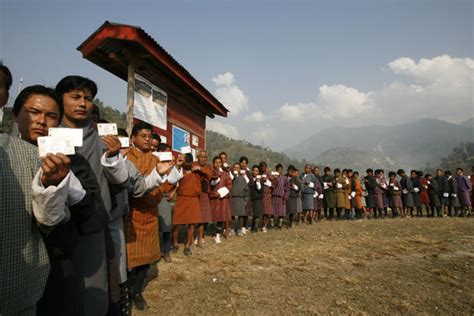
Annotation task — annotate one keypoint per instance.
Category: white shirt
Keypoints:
(49, 204)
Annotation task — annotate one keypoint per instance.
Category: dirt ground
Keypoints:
(392, 266)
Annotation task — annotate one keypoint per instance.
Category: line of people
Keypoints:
(80, 233)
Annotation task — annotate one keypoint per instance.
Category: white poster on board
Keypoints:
(195, 140)
(150, 103)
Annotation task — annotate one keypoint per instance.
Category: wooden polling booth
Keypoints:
(160, 91)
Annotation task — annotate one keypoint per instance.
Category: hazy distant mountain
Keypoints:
(216, 143)
(416, 144)
(468, 123)
(462, 156)
(356, 159)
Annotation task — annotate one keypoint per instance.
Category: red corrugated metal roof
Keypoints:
(134, 34)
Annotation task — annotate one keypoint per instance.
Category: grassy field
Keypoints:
(393, 266)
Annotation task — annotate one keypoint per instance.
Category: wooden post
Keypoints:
(130, 97)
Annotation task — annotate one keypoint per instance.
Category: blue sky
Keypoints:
(279, 55)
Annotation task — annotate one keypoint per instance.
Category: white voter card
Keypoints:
(124, 142)
(164, 156)
(186, 150)
(55, 144)
(107, 129)
(75, 133)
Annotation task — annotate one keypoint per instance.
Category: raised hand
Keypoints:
(55, 168)
(113, 144)
(162, 167)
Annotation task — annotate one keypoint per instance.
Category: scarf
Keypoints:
(92, 149)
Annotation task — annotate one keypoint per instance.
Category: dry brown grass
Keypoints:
(400, 266)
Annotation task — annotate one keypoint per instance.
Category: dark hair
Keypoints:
(122, 132)
(400, 171)
(102, 121)
(243, 158)
(255, 166)
(215, 158)
(138, 127)
(349, 170)
(337, 170)
(262, 164)
(427, 175)
(419, 173)
(370, 170)
(223, 153)
(291, 168)
(392, 173)
(36, 90)
(447, 173)
(188, 158)
(279, 166)
(413, 171)
(355, 173)
(156, 136)
(326, 169)
(163, 147)
(460, 169)
(7, 75)
(70, 83)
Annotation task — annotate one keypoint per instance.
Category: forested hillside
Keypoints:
(215, 143)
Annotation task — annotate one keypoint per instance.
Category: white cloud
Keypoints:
(333, 103)
(223, 128)
(265, 134)
(229, 94)
(440, 87)
(225, 79)
(438, 69)
(297, 111)
(257, 116)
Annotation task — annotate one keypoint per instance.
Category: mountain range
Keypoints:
(422, 144)
(416, 144)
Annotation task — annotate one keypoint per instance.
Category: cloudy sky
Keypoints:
(285, 69)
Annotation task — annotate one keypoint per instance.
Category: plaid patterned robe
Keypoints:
(23, 258)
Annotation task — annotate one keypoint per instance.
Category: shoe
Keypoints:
(167, 257)
(244, 231)
(174, 249)
(264, 229)
(217, 239)
(187, 251)
(240, 233)
(195, 241)
(140, 302)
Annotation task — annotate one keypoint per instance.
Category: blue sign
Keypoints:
(181, 138)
